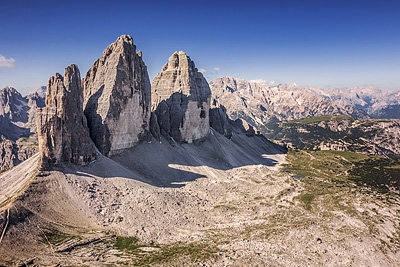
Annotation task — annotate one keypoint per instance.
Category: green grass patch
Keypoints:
(329, 174)
(321, 118)
(127, 243)
(307, 200)
(54, 236)
(195, 252)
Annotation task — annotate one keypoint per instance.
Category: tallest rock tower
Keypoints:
(117, 97)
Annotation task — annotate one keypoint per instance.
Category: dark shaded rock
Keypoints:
(244, 127)
(154, 127)
(220, 121)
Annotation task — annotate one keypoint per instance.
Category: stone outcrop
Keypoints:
(117, 97)
(219, 120)
(63, 134)
(181, 100)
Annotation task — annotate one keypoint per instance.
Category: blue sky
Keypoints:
(326, 43)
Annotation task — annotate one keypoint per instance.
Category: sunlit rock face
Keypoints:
(181, 100)
(117, 97)
(259, 104)
(63, 134)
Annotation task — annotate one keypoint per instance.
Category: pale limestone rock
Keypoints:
(62, 130)
(117, 97)
(181, 100)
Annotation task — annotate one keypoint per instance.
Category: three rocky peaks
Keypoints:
(114, 107)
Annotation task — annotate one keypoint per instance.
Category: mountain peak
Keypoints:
(8, 89)
(117, 97)
(124, 44)
(179, 60)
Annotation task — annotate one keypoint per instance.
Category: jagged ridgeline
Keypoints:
(115, 109)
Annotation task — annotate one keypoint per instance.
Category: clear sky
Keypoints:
(325, 43)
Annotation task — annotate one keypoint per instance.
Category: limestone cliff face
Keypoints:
(62, 129)
(181, 100)
(117, 97)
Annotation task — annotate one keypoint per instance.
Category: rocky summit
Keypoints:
(117, 97)
(181, 100)
(62, 129)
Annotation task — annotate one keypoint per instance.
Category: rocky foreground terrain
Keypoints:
(129, 175)
(188, 205)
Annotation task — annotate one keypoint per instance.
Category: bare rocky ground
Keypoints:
(217, 203)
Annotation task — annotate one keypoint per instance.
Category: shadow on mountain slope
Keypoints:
(164, 165)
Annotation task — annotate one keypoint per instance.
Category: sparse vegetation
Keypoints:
(339, 132)
(195, 252)
(131, 246)
(54, 236)
(334, 172)
(127, 243)
(322, 118)
(23, 139)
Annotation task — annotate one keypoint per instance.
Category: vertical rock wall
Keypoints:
(62, 130)
(181, 100)
(117, 97)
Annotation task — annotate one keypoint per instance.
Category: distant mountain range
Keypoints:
(377, 102)
(259, 105)
(17, 113)
(314, 118)
(263, 103)
(18, 140)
